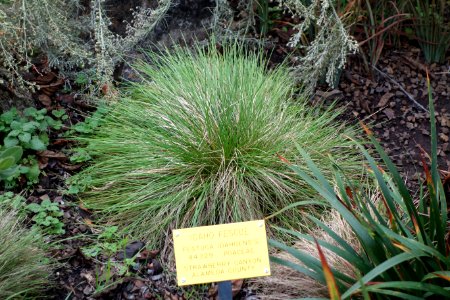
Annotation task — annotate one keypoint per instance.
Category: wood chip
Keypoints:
(389, 112)
(384, 99)
(45, 100)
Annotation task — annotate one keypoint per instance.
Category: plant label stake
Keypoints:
(225, 290)
(221, 253)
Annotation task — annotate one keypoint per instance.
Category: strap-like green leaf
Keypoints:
(413, 285)
(381, 268)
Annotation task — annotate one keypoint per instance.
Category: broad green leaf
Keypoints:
(29, 126)
(58, 113)
(9, 116)
(37, 144)
(34, 207)
(6, 163)
(25, 137)
(33, 173)
(15, 152)
(30, 112)
(16, 125)
(10, 141)
(14, 133)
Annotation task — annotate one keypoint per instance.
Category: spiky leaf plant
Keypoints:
(202, 139)
(24, 267)
(405, 247)
(432, 27)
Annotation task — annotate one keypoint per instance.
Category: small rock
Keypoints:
(384, 99)
(389, 112)
(88, 290)
(157, 277)
(131, 250)
(443, 137)
(425, 132)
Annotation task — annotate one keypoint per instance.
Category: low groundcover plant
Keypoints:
(201, 140)
(24, 267)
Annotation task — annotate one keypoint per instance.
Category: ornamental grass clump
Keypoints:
(24, 268)
(202, 140)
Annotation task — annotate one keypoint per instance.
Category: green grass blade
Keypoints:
(438, 217)
(413, 285)
(331, 198)
(341, 242)
(378, 270)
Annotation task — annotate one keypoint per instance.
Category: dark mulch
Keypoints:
(384, 99)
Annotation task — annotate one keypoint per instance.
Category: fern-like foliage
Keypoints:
(324, 51)
(70, 34)
(327, 51)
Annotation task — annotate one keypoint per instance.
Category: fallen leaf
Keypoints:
(43, 162)
(384, 99)
(52, 154)
(45, 100)
(69, 167)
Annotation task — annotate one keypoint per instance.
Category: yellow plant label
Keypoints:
(221, 252)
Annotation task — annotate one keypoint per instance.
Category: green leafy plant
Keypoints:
(328, 45)
(56, 28)
(267, 15)
(9, 157)
(90, 123)
(263, 16)
(24, 268)
(108, 243)
(47, 215)
(30, 129)
(27, 131)
(9, 199)
(404, 241)
(104, 248)
(86, 127)
(378, 20)
(198, 142)
(432, 28)
(111, 273)
(320, 39)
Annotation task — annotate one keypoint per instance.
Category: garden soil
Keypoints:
(392, 99)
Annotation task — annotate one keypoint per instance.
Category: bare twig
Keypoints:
(410, 97)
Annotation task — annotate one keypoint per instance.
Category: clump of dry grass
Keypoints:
(24, 268)
(286, 283)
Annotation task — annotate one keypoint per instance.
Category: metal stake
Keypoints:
(225, 290)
